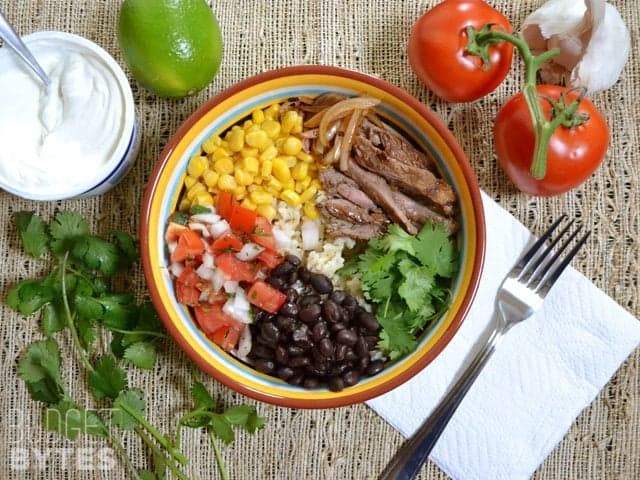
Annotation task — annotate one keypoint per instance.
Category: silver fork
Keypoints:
(521, 294)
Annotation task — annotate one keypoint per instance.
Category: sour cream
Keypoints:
(76, 138)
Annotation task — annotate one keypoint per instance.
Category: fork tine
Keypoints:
(536, 246)
(532, 267)
(536, 277)
(553, 275)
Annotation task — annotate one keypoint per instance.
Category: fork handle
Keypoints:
(414, 453)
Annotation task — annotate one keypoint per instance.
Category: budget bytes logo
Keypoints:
(93, 455)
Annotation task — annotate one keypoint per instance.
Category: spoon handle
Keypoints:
(11, 38)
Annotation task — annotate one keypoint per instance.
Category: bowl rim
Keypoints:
(478, 261)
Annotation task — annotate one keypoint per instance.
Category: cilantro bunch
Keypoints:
(76, 296)
(408, 278)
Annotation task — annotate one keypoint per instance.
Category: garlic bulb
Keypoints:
(593, 40)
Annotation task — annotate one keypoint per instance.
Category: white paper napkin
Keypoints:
(543, 374)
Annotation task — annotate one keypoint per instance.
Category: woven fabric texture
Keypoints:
(352, 442)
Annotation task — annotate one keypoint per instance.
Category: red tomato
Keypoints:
(189, 246)
(212, 318)
(225, 242)
(226, 338)
(266, 297)
(270, 258)
(437, 50)
(224, 206)
(263, 234)
(189, 277)
(242, 219)
(235, 269)
(187, 295)
(573, 153)
(173, 232)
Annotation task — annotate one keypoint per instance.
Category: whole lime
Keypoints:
(173, 47)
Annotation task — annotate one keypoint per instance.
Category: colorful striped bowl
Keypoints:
(407, 115)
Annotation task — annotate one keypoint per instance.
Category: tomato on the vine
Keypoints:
(438, 55)
(573, 154)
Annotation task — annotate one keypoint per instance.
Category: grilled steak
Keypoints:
(338, 184)
(419, 213)
(345, 219)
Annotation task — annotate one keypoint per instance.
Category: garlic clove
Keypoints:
(592, 38)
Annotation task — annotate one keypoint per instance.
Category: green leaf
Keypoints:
(88, 307)
(198, 209)
(107, 379)
(40, 370)
(180, 218)
(33, 232)
(116, 345)
(114, 310)
(70, 420)
(87, 332)
(53, 319)
(147, 321)
(29, 296)
(131, 399)
(254, 423)
(141, 354)
(417, 284)
(238, 414)
(127, 246)
(147, 475)
(221, 429)
(96, 254)
(65, 227)
(436, 250)
(397, 239)
(202, 400)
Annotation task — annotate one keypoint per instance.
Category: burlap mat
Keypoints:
(346, 443)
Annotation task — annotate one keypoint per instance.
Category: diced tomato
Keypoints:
(217, 297)
(263, 234)
(173, 232)
(242, 219)
(235, 269)
(189, 246)
(225, 205)
(189, 277)
(226, 338)
(187, 295)
(212, 318)
(270, 258)
(227, 241)
(266, 297)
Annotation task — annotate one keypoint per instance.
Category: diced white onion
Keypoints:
(310, 234)
(244, 343)
(249, 251)
(240, 301)
(199, 227)
(217, 280)
(204, 296)
(283, 241)
(260, 275)
(176, 268)
(205, 272)
(172, 246)
(240, 315)
(205, 218)
(218, 228)
(230, 286)
(208, 259)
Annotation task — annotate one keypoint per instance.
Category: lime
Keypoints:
(173, 47)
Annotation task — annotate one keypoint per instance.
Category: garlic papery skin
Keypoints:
(593, 40)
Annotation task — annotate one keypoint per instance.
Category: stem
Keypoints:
(162, 440)
(123, 455)
(138, 332)
(69, 318)
(154, 448)
(221, 466)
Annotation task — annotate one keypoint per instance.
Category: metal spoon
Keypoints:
(11, 38)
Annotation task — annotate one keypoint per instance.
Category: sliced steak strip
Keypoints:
(343, 218)
(338, 184)
(419, 213)
(380, 192)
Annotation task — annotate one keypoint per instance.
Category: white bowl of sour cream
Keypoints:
(76, 139)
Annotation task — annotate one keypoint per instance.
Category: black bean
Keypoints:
(339, 369)
(262, 316)
(361, 348)
(298, 362)
(335, 384)
(369, 321)
(261, 351)
(349, 301)
(285, 373)
(294, 350)
(304, 275)
(341, 350)
(310, 314)
(289, 309)
(321, 283)
(347, 337)
(374, 367)
(350, 355)
(285, 323)
(300, 336)
(338, 296)
(308, 300)
(319, 331)
(326, 347)
(276, 282)
(266, 342)
(270, 332)
(292, 295)
(296, 379)
(310, 382)
(293, 260)
(281, 354)
(336, 327)
(372, 341)
(363, 363)
(331, 311)
(264, 366)
(283, 270)
(350, 377)
(292, 278)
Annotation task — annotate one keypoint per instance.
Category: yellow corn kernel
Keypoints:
(280, 169)
(292, 146)
(246, 203)
(242, 177)
(258, 180)
(291, 197)
(261, 197)
(257, 116)
(249, 152)
(289, 184)
(273, 111)
(227, 183)
(258, 139)
(266, 167)
(247, 124)
(251, 165)
(279, 142)
(203, 198)
(185, 203)
(299, 188)
(224, 166)
(291, 160)
(210, 178)
(190, 181)
(220, 152)
(269, 154)
(271, 128)
(289, 121)
(315, 182)
(297, 126)
(195, 189)
(274, 184)
(236, 140)
(239, 192)
(300, 171)
(309, 193)
(304, 183)
(310, 211)
(197, 166)
(209, 145)
(304, 156)
(266, 211)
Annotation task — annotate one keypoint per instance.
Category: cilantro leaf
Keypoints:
(395, 338)
(96, 254)
(436, 250)
(107, 379)
(127, 408)
(221, 428)
(202, 400)
(396, 239)
(116, 346)
(198, 209)
(70, 420)
(33, 232)
(29, 296)
(87, 332)
(52, 319)
(244, 415)
(127, 246)
(416, 285)
(147, 326)
(40, 370)
(65, 227)
(180, 218)
(147, 475)
(141, 354)
(114, 310)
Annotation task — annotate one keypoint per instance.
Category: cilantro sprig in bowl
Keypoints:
(420, 286)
